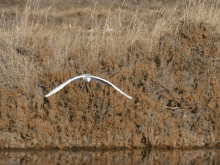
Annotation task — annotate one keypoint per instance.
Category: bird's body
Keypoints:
(88, 78)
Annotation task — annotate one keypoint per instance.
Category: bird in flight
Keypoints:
(88, 78)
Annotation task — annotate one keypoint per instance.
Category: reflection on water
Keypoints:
(105, 157)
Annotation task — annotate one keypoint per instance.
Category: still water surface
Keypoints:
(109, 157)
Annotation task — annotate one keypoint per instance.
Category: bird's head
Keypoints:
(87, 77)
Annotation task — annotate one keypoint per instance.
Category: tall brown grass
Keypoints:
(164, 59)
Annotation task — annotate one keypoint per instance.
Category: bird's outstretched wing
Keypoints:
(103, 81)
(62, 85)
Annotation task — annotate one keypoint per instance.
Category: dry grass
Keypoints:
(164, 59)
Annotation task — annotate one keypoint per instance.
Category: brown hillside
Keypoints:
(167, 59)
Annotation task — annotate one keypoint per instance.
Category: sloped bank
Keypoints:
(175, 105)
(173, 129)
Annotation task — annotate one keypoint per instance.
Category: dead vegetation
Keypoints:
(167, 60)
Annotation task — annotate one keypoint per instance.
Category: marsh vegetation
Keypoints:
(165, 56)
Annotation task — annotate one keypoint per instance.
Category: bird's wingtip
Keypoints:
(130, 97)
(47, 95)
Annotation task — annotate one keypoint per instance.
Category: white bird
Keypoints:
(86, 77)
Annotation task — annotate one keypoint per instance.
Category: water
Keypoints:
(112, 157)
